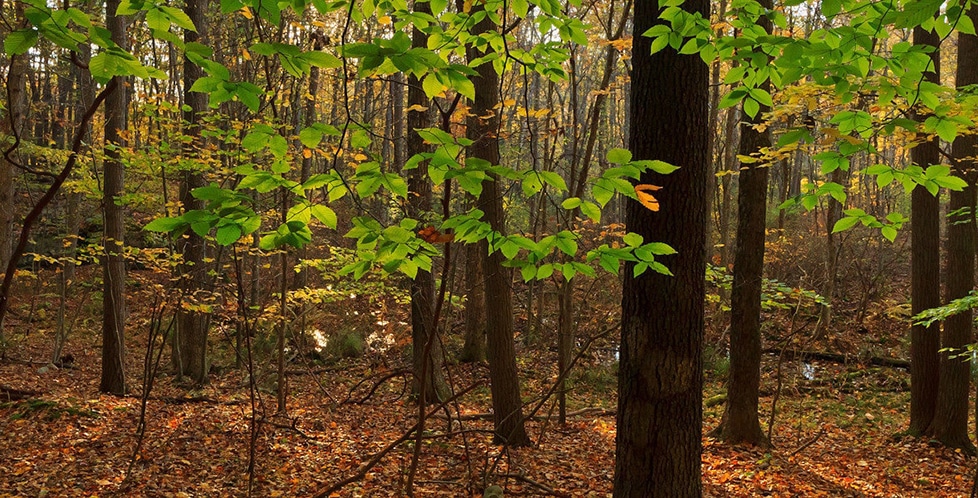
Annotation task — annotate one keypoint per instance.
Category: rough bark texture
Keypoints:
(114, 231)
(950, 424)
(190, 346)
(482, 128)
(660, 380)
(925, 237)
(13, 123)
(427, 358)
(474, 345)
(740, 423)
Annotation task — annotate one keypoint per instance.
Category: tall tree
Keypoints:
(190, 345)
(925, 277)
(950, 423)
(660, 379)
(483, 128)
(114, 227)
(427, 354)
(740, 423)
(13, 125)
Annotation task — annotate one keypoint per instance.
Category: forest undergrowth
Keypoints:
(836, 430)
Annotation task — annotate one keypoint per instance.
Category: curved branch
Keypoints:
(31, 218)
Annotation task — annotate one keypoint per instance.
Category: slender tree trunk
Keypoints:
(190, 347)
(660, 379)
(833, 212)
(114, 228)
(483, 128)
(13, 124)
(427, 353)
(474, 345)
(740, 422)
(925, 272)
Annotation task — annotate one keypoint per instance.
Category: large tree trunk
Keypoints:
(740, 422)
(925, 241)
(190, 345)
(482, 128)
(950, 424)
(427, 353)
(114, 228)
(660, 379)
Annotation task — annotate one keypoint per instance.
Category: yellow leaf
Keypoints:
(245, 11)
(417, 107)
(359, 157)
(306, 153)
(645, 197)
(384, 20)
(245, 54)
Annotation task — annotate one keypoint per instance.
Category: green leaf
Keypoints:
(845, 224)
(165, 224)
(889, 233)
(633, 239)
(20, 41)
(325, 215)
(228, 234)
(571, 203)
(591, 210)
(619, 156)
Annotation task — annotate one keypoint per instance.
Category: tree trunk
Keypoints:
(925, 272)
(832, 214)
(740, 423)
(483, 127)
(190, 346)
(13, 124)
(474, 345)
(114, 228)
(660, 378)
(427, 353)
(950, 424)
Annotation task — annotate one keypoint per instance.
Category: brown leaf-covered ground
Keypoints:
(71, 441)
(834, 434)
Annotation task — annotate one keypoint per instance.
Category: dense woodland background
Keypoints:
(378, 248)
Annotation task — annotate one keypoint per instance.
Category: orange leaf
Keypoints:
(645, 197)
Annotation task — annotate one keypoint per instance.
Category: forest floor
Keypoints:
(836, 432)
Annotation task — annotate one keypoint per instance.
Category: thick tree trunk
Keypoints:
(660, 379)
(114, 228)
(950, 423)
(925, 276)
(190, 346)
(482, 128)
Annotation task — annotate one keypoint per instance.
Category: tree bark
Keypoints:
(660, 379)
(114, 228)
(740, 423)
(427, 358)
(950, 423)
(925, 237)
(190, 346)
(483, 127)
(13, 125)
(474, 341)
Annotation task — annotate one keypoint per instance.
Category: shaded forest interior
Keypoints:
(386, 248)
